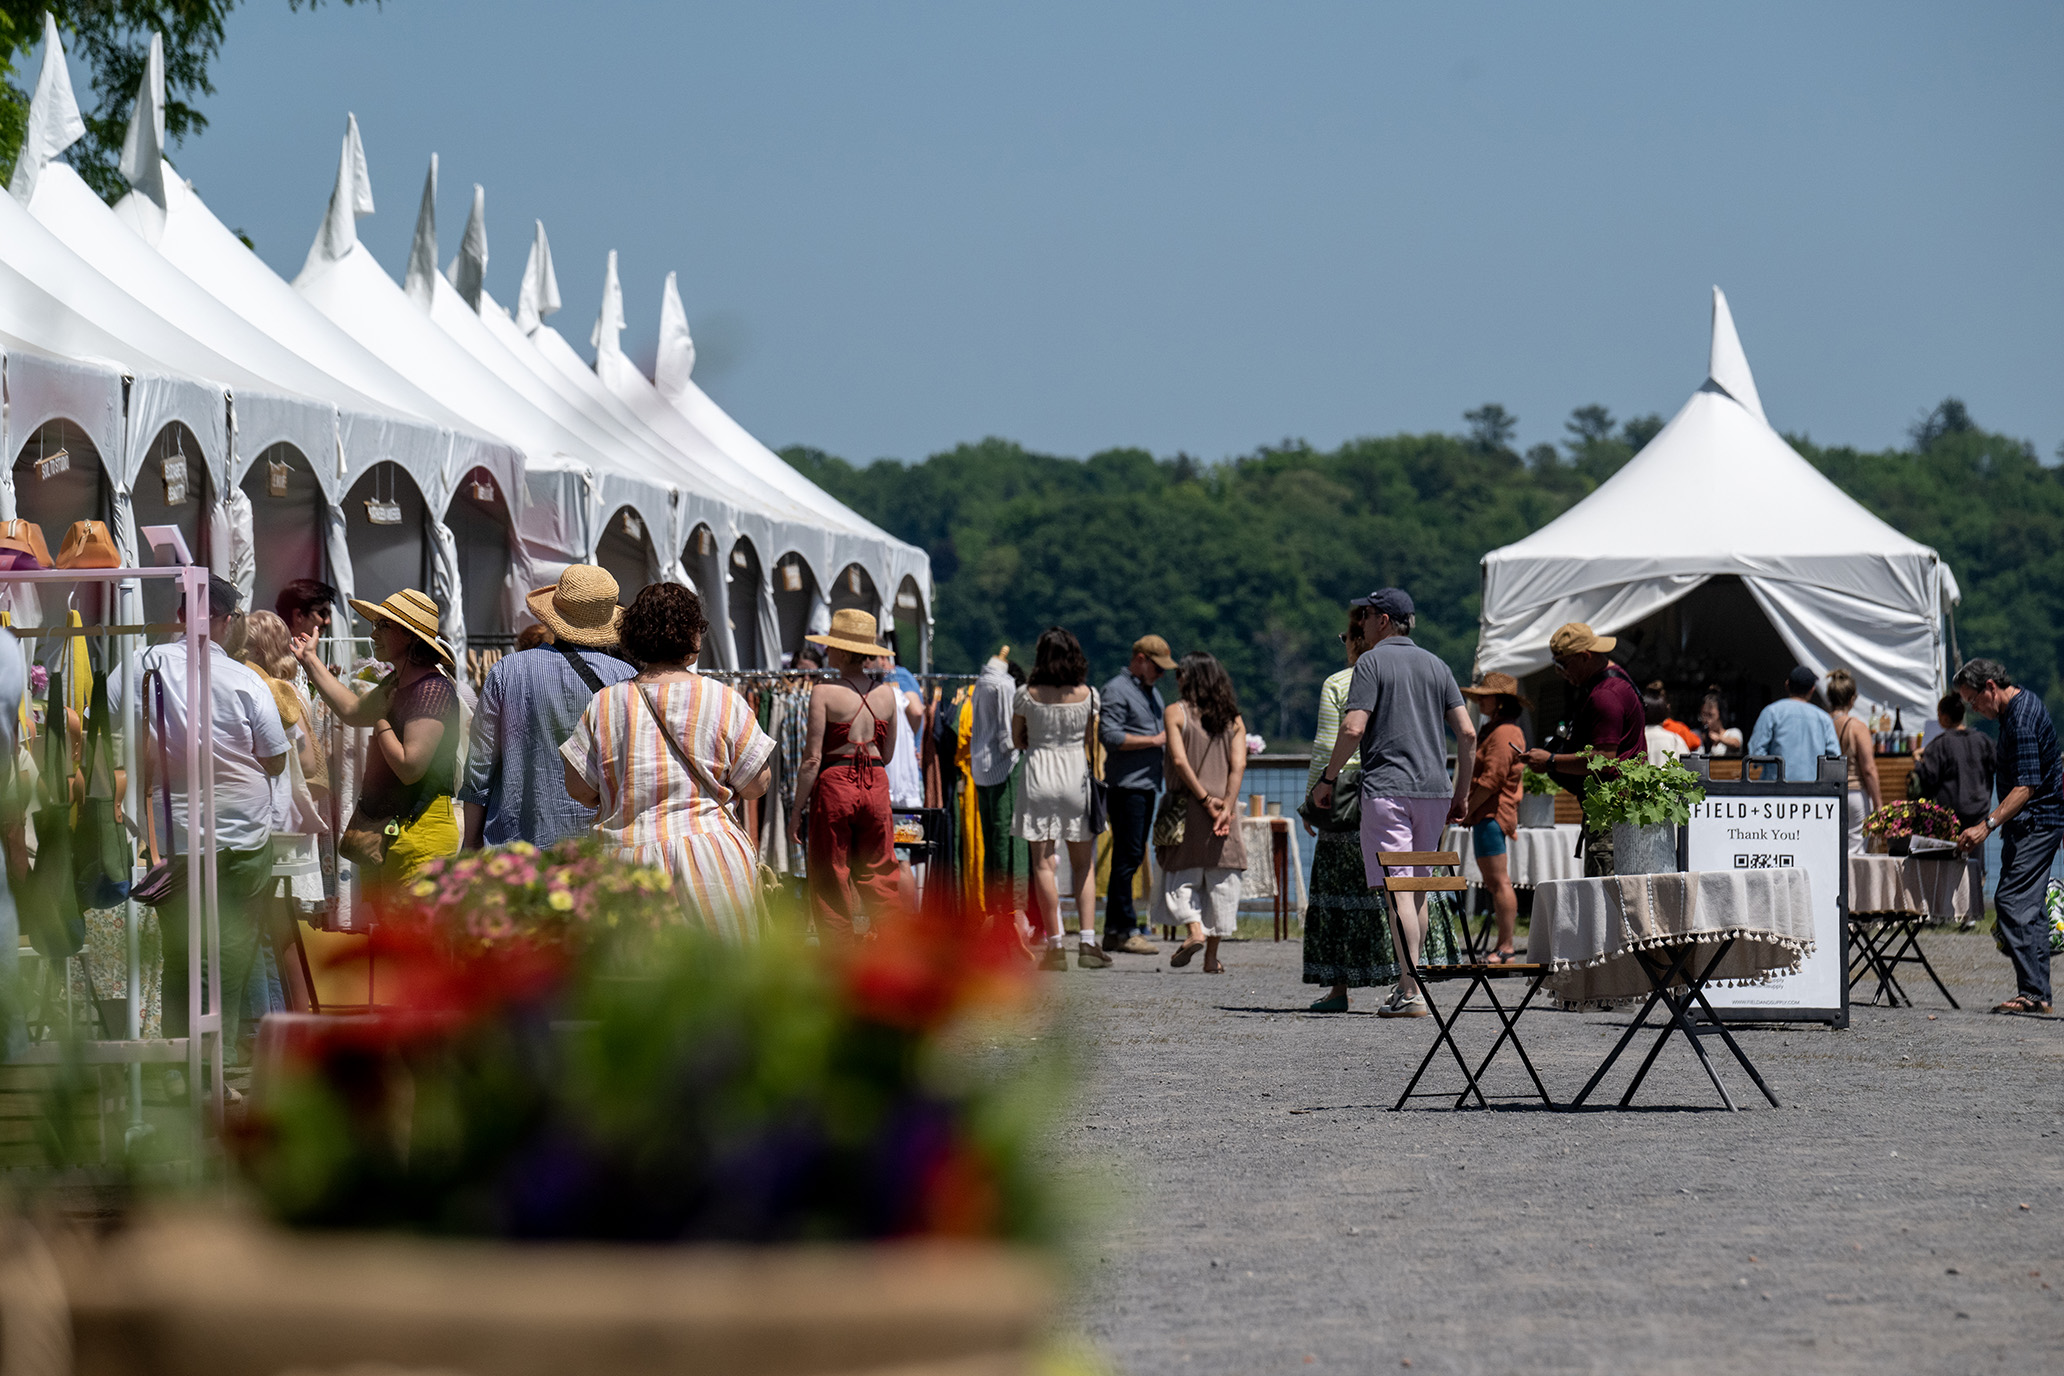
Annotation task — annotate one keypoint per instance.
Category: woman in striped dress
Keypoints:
(662, 757)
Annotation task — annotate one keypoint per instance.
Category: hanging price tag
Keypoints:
(50, 465)
(175, 479)
(383, 512)
(276, 477)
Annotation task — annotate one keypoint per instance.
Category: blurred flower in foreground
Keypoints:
(572, 1068)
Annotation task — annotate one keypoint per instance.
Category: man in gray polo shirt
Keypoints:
(1400, 705)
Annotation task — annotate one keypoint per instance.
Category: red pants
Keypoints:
(852, 848)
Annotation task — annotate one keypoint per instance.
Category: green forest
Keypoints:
(1254, 558)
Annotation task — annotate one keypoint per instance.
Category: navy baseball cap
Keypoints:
(1394, 603)
(1802, 680)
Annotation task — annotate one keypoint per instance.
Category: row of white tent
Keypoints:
(381, 436)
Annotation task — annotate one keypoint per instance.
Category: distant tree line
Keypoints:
(1254, 558)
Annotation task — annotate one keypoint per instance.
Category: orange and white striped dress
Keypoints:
(654, 812)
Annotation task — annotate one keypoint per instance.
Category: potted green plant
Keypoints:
(1536, 799)
(1643, 804)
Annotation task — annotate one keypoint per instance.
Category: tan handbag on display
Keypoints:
(87, 545)
(25, 538)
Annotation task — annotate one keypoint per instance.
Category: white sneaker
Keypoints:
(1413, 1007)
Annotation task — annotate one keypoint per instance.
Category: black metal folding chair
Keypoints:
(1480, 976)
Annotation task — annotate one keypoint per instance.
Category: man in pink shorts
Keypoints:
(1401, 705)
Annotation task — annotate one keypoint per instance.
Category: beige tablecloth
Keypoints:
(1535, 856)
(1939, 890)
(1588, 930)
(1258, 884)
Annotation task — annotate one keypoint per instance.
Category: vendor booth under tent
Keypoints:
(1773, 565)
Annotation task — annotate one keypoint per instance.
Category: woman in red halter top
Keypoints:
(852, 838)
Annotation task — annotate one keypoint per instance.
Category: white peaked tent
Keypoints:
(342, 280)
(623, 473)
(1840, 586)
(838, 535)
(292, 415)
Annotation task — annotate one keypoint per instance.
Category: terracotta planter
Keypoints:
(211, 1295)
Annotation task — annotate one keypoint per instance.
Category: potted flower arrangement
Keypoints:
(1894, 826)
(1536, 798)
(548, 1153)
(1644, 804)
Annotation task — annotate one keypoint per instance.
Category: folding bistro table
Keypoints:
(1891, 899)
(1661, 939)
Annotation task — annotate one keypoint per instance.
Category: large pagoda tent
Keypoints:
(672, 402)
(1718, 499)
(310, 449)
(566, 477)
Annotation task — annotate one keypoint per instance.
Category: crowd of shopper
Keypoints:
(599, 725)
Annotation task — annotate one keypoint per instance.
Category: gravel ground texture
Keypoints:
(1268, 1212)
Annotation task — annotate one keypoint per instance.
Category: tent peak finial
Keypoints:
(422, 258)
(54, 121)
(676, 361)
(468, 270)
(539, 296)
(608, 334)
(143, 151)
(349, 199)
(1727, 367)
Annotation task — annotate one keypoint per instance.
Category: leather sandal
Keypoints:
(1184, 953)
(2023, 1003)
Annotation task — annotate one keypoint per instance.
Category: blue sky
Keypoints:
(1207, 226)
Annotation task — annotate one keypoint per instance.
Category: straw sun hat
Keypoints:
(1498, 685)
(853, 632)
(580, 609)
(413, 612)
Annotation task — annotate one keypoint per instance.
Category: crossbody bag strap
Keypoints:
(688, 762)
(580, 666)
(154, 692)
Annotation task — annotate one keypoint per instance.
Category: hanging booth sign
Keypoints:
(174, 466)
(791, 577)
(633, 527)
(483, 487)
(383, 511)
(1760, 826)
(276, 474)
(50, 465)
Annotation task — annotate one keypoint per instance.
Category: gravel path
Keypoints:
(1272, 1214)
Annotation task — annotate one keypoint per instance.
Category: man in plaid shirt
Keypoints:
(2029, 818)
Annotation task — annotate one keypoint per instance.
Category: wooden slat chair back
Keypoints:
(1480, 976)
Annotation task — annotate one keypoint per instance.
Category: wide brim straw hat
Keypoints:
(414, 612)
(580, 609)
(853, 632)
(1497, 686)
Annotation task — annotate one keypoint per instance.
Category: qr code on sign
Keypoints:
(1761, 861)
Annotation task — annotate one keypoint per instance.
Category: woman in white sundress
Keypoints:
(661, 757)
(1053, 722)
